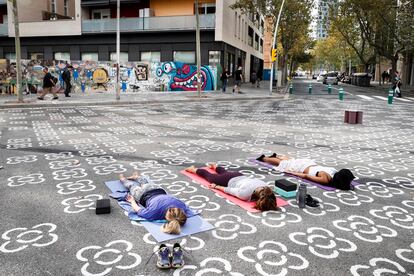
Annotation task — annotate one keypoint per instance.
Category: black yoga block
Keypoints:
(285, 185)
(103, 206)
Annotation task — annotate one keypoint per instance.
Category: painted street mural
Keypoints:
(92, 76)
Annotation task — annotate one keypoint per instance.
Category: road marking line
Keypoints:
(381, 97)
(411, 98)
(365, 97)
(404, 100)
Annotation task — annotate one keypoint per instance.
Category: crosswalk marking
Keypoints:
(381, 97)
(402, 99)
(365, 97)
(411, 98)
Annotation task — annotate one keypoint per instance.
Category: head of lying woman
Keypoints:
(342, 180)
(176, 218)
(265, 199)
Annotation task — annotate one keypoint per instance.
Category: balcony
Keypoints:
(143, 24)
(4, 30)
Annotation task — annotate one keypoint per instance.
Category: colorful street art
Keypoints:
(91, 76)
(183, 77)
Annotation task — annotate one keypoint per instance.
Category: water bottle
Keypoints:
(301, 195)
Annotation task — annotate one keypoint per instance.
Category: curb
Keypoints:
(156, 101)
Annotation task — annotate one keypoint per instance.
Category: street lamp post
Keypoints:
(198, 50)
(17, 47)
(274, 47)
(118, 46)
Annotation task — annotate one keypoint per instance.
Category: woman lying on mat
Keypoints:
(308, 169)
(239, 185)
(157, 204)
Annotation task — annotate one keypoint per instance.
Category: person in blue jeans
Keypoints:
(155, 203)
(224, 78)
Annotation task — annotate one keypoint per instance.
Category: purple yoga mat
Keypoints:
(327, 188)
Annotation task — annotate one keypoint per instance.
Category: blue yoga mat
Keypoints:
(193, 225)
(119, 192)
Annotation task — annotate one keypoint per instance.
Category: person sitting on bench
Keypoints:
(308, 169)
(239, 185)
(156, 203)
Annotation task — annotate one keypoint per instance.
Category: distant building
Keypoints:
(320, 14)
(151, 30)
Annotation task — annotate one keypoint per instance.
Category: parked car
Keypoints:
(331, 78)
(321, 77)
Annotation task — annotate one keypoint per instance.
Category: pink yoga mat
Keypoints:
(247, 205)
(323, 187)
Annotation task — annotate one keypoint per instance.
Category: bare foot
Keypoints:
(134, 176)
(191, 169)
(212, 166)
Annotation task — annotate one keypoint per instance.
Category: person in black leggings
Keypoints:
(239, 185)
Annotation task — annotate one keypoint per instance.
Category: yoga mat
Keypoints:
(247, 205)
(323, 187)
(119, 192)
(193, 225)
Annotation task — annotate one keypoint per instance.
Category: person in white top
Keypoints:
(239, 185)
(308, 169)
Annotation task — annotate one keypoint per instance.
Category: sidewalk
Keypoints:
(407, 90)
(142, 97)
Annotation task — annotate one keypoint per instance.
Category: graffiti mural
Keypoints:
(183, 77)
(91, 76)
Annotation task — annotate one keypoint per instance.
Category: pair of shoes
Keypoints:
(55, 98)
(68, 95)
(311, 202)
(39, 98)
(170, 259)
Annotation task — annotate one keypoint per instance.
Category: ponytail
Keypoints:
(176, 218)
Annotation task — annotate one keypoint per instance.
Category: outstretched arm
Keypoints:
(134, 204)
(322, 179)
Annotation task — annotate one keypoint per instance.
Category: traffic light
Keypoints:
(274, 53)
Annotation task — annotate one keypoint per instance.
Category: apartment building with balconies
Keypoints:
(151, 30)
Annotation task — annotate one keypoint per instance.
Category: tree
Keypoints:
(345, 26)
(294, 23)
(385, 25)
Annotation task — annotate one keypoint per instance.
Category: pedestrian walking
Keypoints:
(66, 76)
(397, 84)
(253, 78)
(238, 78)
(224, 78)
(259, 78)
(384, 76)
(48, 84)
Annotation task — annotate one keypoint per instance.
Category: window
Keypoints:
(151, 56)
(239, 30)
(62, 56)
(242, 30)
(214, 57)
(36, 56)
(123, 56)
(92, 56)
(251, 35)
(65, 7)
(53, 6)
(207, 8)
(9, 56)
(184, 56)
(101, 14)
(235, 24)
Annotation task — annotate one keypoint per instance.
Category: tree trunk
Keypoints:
(284, 70)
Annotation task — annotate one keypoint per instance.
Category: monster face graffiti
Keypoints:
(183, 77)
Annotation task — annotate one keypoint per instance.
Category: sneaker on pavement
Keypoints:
(55, 98)
(39, 98)
(177, 256)
(163, 256)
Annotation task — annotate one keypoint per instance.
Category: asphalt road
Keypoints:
(48, 222)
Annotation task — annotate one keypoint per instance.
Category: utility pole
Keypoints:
(198, 50)
(274, 45)
(18, 53)
(118, 46)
